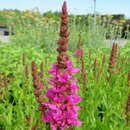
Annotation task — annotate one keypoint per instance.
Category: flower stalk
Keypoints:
(36, 84)
(41, 70)
(79, 51)
(6, 82)
(112, 60)
(95, 64)
(26, 71)
(104, 60)
(60, 110)
(23, 58)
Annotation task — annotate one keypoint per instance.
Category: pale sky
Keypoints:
(74, 6)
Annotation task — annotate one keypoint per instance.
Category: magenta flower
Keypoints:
(78, 52)
(60, 110)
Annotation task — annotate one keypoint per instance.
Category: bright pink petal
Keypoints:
(43, 86)
(75, 70)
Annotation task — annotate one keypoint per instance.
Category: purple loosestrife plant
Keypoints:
(36, 84)
(28, 120)
(80, 58)
(60, 109)
(79, 51)
(6, 82)
(112, 60)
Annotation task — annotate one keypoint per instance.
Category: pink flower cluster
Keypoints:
(61, 110)
(79, 51)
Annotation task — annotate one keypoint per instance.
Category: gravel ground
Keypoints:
(108, 42)
(4, 38)
(120, 42)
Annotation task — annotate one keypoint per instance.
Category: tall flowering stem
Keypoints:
(80, 59)
(37, 90)
(36, 83)
(23, 58)
(84, 75)
(41, 69)
(79, 51)
(28, 120)
(27, 74)
(26, 71)
(90, 54)
(60, 109)
(95, 64)
(104, 60)
(6, 82)
(112, 60)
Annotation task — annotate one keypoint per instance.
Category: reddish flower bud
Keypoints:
(62, 48)
(41, 69)
(128, 109)
(40, 99)
(28, 120)
(112, 59)
(83, 64)
(84, 78)
(0, 82)
(98, 75)
(5, 81)
(34, 127)
(63, 40)
(95, 64)
(23, 58)
(36, 82)
(129, 77)
(26, 71)
(79, 51)
(37, 92)
(104, 59)
(16, 66)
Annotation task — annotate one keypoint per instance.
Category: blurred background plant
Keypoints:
(40, 30)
